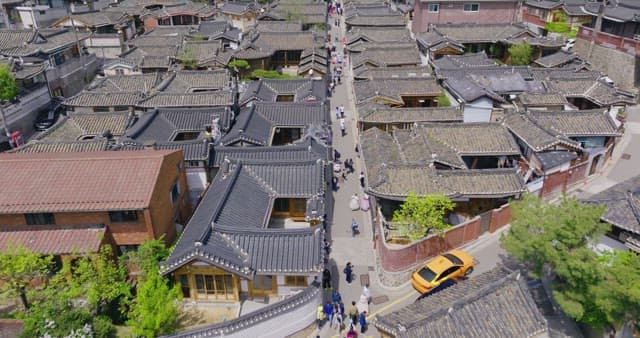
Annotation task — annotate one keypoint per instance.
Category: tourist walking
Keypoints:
(362, 179)
(367, 293)
(342, 110)
(343, 127)
(353, 314)
(363, 322)
(354, 227)
(348, 272)
(326, 279)
(319, 316)
(328, 311)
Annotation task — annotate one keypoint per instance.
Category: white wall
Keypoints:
(478, 110)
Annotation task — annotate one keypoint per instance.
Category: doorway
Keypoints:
(594, 164)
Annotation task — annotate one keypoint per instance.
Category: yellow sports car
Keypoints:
(451, 265)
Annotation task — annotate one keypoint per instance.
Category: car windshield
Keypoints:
(454, 259)
(427, 274)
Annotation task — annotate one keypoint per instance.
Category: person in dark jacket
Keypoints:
(348, 272)
(326, 279)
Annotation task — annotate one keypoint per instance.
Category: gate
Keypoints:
(485, 221)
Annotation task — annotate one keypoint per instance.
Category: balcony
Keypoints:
(626, 45)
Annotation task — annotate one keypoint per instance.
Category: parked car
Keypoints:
(50, 117)
(568, 45)
(451, 265)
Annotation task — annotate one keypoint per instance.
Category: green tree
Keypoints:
(156, 308)
(19, 267)
(239, 64)
(270, 74)
(59, 318)
(8, 91)
(443, 100)
(520, 54)
(619, 295)
(100, 279)
(148, 255)
(555, 240)
(188, 59)
(420, 215)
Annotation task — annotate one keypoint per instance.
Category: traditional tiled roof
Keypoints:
(204, 99)
(98, 18)
(201, 51)
(279, 26)
(193, 150)
(143, 83)
(370, 9)
(552, 159)
(403, 161)
(108, 99)
(58, 241)
(150, 56)
(542, 99)
(376, 21)
(79, 125)
(495, 304)
(165, 124)
(472, 138)
(309, 13)
(225, 232)
(492, 33)
(392, 72)
(201, 10)
(257, 123)
(189, 81)
(267, 90)
(557, 59)
(378, 34)
(212, 28)
(596, 91)
(386, 56)
(307, 150)
(92, 181)
(38, 146)
(411, 115)
(537, 137)
(574, 123)
(239, 8)
(20, 43)
(23, 70)
(620, 11)
(393, 89)
(623, 204)
(473, 60)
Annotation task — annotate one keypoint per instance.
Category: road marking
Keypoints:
(401, 299)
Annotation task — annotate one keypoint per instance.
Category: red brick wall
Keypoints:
(400, 258)
(577, 173)
(554, 183)
(489, 12)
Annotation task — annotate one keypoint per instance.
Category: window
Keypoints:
(434, 8)
(123, 216)
(295, 280)
(281, 205)
(284, 98)
(214, 286)
(175, 192)
(119, 71)
(40, 218)
(471, 7)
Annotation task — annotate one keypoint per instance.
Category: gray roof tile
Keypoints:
(622, 203)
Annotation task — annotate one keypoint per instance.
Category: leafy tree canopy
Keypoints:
(239, 64)
(520, 54)
(8, 88)
(270, 74)
(157, 307)
(420, 215)
(19, 267)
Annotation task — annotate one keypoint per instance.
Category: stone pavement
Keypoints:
(359, 249)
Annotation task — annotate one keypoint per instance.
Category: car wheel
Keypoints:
(468, 271)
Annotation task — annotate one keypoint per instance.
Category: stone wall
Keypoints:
(621, 67)
(397, 262)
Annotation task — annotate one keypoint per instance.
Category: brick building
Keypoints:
(427, 13)
(136, 195)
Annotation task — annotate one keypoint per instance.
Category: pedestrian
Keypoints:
(354, 228)
(334, 183)
(326, 279)
(363, 322)
(362, 179)
(319, 316)
(367, 293)
(341, 306)
(336, 154)
(327, 247)
(353, 314)
(342, 110)
(348, 272)
(328, 311)
(336, 298)
(337, 113)
(336, 321)
(352, 332)
(343, 127)
(357, 150)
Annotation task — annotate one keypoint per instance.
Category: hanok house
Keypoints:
(87, 127)
(192, 130)
(309, 13)
(377, 35)
(272, 124)
(137, 195)
(591, 94)
(561, 149)
(569, 13)
(498, 303)
(374, 115)
(384, 55)
(395, 92)
(257, 233)
(275, 50)
(272, 90)
(621, 201)
(184, 14)
(110, 30)
(474, 164)
(241, 15)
